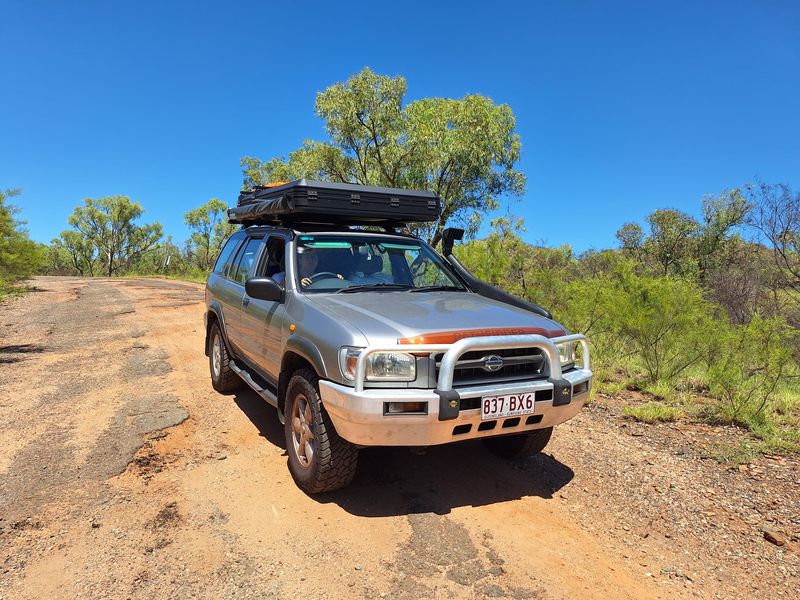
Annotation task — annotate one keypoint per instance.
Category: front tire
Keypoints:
(521, 445)
(223, 378)
(319, 459)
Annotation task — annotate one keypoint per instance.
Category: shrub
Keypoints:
(19, 256)
(664, 320)
(745, 367)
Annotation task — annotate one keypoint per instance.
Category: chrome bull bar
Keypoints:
(454, 351)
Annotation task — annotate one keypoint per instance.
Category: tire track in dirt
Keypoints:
(75, 444)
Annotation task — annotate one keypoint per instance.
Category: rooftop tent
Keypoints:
(306, 201)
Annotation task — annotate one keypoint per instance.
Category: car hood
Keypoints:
(386, 316)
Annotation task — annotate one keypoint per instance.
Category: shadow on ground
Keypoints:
(16, 350)
(398, 481)
(261, 415)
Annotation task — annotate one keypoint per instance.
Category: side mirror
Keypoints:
(264, 288)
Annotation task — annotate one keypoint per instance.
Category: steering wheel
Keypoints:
(323, 275)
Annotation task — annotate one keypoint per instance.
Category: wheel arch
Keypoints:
(214, 315)
(299, 353)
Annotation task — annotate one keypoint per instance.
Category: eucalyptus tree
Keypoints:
(465, 150)
(210, 228)
(108, 225)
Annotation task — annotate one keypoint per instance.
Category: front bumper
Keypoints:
(360, 416)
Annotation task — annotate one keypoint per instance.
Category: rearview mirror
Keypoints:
(264, 288)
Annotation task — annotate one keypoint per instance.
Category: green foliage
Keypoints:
(721, 214)
(664, 320)
(653, 412)
(745, 366)
(106, 230)
(669, 247)
(58, 259)
(84, 257)
(679, 245)
(462, 149)
(108, 235)
(19, 256)
(210, 228)
(661, 333)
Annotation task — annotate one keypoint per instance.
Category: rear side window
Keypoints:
(246, 261)
(226, 256)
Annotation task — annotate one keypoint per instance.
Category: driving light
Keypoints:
(391, 366)
(567, 352)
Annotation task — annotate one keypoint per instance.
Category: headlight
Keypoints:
(567, 352)
(391, 366)
(381, 366)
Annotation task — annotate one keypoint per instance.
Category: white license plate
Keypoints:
(510, 405)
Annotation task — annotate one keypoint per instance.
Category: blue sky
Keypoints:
(623, 107)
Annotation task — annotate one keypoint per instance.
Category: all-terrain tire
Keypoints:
(333, 459)
(223, 378)
(521, 445)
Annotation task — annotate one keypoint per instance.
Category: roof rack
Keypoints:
(325, 203)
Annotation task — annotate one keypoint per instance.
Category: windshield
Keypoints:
(339, 263)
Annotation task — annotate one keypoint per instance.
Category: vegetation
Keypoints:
(210, 228)
(19, 256)
(653, 412)
(464, 150)
(699, 313)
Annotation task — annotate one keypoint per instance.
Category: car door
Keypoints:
(262, 320)
(241, 271)
(221, 288)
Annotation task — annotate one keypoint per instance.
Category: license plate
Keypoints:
(510, 405)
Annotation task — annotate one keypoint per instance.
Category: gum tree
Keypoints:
(108, 224)
(464, 149)
(210, 227)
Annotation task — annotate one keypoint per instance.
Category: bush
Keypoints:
(745, 367)
(19, 256)
(665, 320)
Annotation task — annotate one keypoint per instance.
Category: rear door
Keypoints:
(241, 270)
(262, 321)
(220, 287)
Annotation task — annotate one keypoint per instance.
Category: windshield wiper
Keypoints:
(438, 288)
(371, 287)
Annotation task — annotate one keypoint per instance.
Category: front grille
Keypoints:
(519, 364)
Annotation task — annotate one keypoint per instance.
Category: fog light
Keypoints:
(399, 408)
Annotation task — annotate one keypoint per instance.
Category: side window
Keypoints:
(246, 261)
(226, 256)
(274, 265)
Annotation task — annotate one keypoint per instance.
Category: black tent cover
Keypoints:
(307, 201)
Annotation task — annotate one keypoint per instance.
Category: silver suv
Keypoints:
(373, 339)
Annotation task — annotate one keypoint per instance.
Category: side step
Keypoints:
(266, 394)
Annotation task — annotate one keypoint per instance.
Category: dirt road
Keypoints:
(124, 475)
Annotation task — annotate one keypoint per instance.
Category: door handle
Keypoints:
(245, 302)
